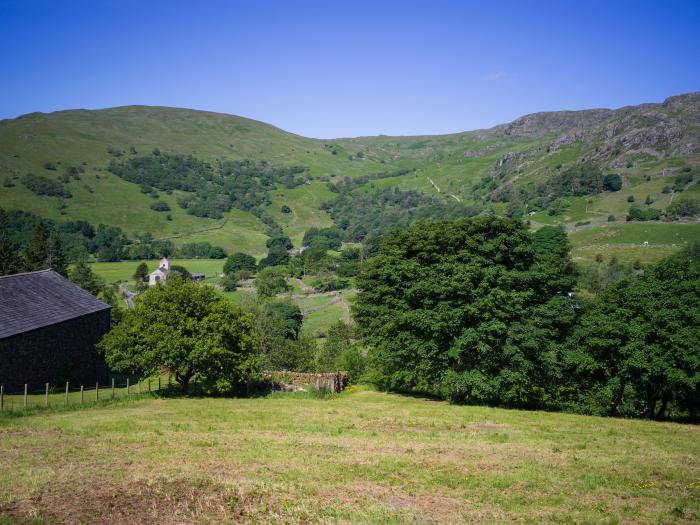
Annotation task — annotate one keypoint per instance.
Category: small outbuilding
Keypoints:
(48, 331)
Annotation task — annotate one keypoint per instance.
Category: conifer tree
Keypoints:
(55, 258)
(9, 259)
(36, 252)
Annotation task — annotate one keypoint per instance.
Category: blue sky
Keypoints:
(331, 69)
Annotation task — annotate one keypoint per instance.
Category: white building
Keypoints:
(161, 274)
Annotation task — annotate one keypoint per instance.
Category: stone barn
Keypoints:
(48, 331)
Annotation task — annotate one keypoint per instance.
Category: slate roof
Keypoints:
(36, 299)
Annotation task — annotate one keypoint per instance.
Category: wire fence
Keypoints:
(67, 394)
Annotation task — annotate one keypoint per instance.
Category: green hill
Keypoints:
(548, 167)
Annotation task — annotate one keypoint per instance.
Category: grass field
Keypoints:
(123, 271)
(360, 457)
(626, 241)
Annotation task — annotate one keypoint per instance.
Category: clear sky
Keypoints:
(331, 68)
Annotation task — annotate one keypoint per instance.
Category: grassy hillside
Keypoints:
(84, 139)
(360, 457)
(649, 146)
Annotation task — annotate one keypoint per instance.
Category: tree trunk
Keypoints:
(617, 398)
(184, 379)
(651, 406)
(662, 409)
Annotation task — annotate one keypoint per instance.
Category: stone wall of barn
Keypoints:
(55, 354)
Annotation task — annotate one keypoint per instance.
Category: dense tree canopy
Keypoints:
(637, 349)
(239, 261)
(359, 214)
(474, 309)
(212, 188)
(271, 281)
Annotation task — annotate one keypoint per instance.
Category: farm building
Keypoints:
(48, 331)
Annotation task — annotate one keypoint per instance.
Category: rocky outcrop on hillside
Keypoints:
(563, 141)
(614, 137)
(541, 124)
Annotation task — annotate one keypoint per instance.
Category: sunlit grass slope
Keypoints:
(362, 457)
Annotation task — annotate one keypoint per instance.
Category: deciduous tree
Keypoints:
(187, 329)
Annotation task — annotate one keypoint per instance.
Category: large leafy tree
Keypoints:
(239, 261)
(473, 309)
(187, 329)
(141, 273)
(637, 349)
(271, 281)
(289, 314)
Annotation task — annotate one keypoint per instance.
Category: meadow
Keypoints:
(626, 241)
(123, 271)
(357, 457)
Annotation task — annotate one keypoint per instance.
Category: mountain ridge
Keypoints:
(503, 168)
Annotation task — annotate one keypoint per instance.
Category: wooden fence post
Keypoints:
(127, 387)
(65, 401)
(25, 396)
(158, 382)
(97, 391)
(46, 396)
(2, 397)
(112, 388)
(149, 385)
(81, 394)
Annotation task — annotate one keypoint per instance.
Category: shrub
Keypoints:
(229, 283)
(160, 206)
(45, 186)
(684, 207)
(557, 207)
(328, 282)
(285, 209)
(612, 182)
(638, 214)
(630, 198)
(271, 281)
(682, 181)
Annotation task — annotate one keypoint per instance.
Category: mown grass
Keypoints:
(123, 271)
(360, 457)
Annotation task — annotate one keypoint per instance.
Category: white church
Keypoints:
(161, 274)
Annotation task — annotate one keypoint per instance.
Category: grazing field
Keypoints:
(360, 457)
(123, 271)
(626, 241)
